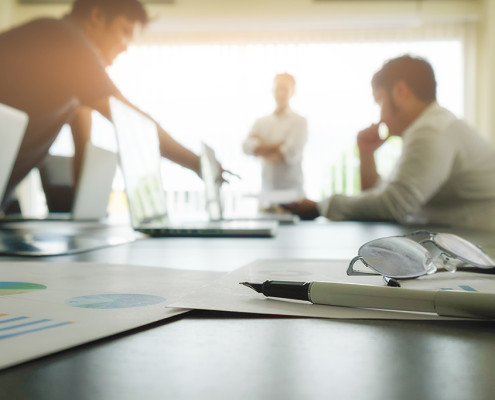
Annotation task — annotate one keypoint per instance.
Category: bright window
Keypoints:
(215, 93)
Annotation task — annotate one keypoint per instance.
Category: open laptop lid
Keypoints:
(211, 174)
(95, 184)
(13, 125)
(139, 156)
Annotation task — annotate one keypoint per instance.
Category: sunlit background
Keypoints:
(215, 92)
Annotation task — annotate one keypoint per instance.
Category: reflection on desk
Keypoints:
(49, 238)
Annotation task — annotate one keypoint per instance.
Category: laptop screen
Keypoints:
(139, 155)
(13, 124)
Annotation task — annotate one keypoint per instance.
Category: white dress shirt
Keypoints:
(445, 175)
(291, 129)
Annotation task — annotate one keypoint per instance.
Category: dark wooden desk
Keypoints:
(208, 355)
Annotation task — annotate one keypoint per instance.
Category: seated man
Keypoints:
(278, 140)
(54, 70)
(446, 172)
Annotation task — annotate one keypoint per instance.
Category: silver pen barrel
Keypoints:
(367, 296)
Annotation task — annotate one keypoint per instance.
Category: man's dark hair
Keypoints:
(417, 73)
(131, 9)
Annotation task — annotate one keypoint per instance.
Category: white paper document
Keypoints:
(48, 307)
(226, 294)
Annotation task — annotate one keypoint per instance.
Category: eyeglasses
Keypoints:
(420, 253)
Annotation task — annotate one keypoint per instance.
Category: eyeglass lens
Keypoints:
(464, 250)
(397, 257)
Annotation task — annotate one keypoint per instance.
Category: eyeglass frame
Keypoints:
(444, 254)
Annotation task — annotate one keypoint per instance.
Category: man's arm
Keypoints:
(174, 151)
(424, 166)
(169, 147)
(293, 145)
(251, 143)
(368, 142)
(81, 135)
(270, 151)
(286, 151)
(254, 145)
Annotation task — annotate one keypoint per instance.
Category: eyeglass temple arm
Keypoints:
(413, 235)
(353, 272)
(431, 235)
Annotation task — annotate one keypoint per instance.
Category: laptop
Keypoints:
(13, 124)
(210, 171)
(95, 184)
(89, 201)
(140, 160)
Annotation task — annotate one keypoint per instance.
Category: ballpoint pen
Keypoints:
(448, 303)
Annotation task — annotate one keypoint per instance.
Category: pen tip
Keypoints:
(255, 286)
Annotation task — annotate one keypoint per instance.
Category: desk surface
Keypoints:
(212, 355)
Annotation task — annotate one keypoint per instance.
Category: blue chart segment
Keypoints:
(15, 325)
(466, 288)
(108, 301)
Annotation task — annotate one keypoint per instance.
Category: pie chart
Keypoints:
(108, 301)
(10, 288)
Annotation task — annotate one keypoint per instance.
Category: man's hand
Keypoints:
(264, 149)
(270, 152)
(221, 179)
(305, 209)
(275, 157)
(368, 140)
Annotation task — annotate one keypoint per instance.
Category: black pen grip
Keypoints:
(286, 290)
